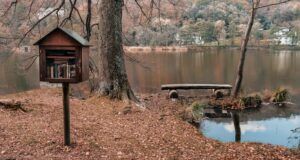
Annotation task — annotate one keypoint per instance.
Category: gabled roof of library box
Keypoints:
(68, 32)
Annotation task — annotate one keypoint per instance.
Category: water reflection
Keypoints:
(237, 127)
(271, 125)
(264, 69)
(14, 78)
(282, 61)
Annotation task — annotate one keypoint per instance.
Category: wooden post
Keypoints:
(66, 113)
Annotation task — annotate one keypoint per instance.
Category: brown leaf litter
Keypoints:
(106, 129)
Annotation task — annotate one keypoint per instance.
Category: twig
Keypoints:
(14, 3)
(30, 65)
(142, 10)
(40, 20)
(273, 4)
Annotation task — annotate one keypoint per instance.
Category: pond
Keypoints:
(271, 124)
(265, 69)
(14, 75)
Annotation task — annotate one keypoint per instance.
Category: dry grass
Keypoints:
(105, 129)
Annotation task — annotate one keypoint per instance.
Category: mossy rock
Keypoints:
(280, 95)
(195, 112)
(251, 101)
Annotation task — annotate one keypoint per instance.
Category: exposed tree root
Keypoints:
(11, 104)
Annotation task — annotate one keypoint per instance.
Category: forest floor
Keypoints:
(105, 129)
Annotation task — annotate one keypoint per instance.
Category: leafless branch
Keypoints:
(32, 62)
(70, 13)
(40, 20)
(142, 11)
(79, 15)
(88, 26)
(30, 8)
(273, 4)
(14, 3)
(94, 25)
(134, 60)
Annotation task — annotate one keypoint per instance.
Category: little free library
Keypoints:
(64, 58)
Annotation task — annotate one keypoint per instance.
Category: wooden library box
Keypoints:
(64, 57)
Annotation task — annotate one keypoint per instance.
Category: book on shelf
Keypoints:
(61, 70)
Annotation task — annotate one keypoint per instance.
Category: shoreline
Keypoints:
(185, 49)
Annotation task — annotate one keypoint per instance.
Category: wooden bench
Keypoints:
(173, 87)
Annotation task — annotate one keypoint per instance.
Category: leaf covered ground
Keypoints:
(105, 129)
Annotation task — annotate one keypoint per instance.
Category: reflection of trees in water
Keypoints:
(13, 76)
(265, 69)
(237, 127)
(295, 137)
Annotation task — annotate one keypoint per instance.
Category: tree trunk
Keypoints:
(111, 78)
(239, 77)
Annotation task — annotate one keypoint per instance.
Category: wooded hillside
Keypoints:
(157, 22)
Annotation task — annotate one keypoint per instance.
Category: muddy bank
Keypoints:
(105, 129)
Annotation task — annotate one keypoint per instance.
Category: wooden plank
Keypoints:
(195, 86)
(61, 57)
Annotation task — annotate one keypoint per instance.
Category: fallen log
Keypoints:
(11, 104)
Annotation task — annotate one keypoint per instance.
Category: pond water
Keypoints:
(265, 69)
(14, 77)
(271, 125)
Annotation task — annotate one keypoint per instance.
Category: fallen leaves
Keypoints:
(98, 131)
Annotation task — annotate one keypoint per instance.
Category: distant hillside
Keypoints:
(208, 21)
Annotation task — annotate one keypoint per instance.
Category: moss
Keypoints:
(280, 95)
(197, 110)
(252, 100)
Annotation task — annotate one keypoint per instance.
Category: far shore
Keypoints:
(189, 48)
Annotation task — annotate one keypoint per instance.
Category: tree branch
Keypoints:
(273, 4)
(40, 20)
(141, 9)
(14, 3)
(70, 13)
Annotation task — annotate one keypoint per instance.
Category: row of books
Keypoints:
(61, 70)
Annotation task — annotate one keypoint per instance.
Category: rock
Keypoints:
(173, 94)
(126, 110)
(280, 96)
(251, 101)
(219, 94)
(194, 113)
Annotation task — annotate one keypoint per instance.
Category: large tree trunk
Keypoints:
(111, 78)
(245, 41)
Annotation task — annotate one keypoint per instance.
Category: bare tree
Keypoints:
(255, 5)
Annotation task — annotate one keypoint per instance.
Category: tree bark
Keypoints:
(111, 78)
(239, 78)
